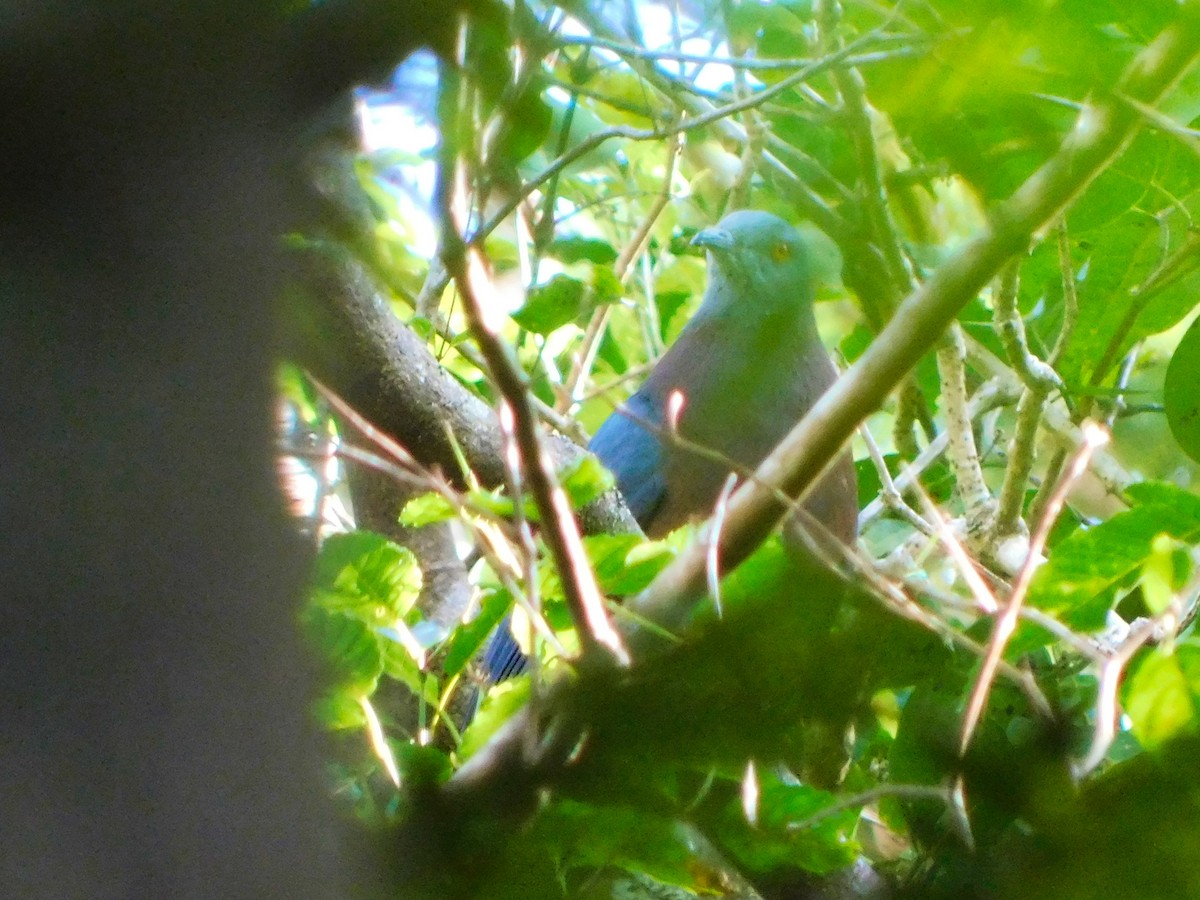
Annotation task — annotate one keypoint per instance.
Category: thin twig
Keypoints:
(1039, 379)
(1123, 376)
(889, 494)
(1105, 728)
(1189, 137)
(714, 558)
(563, 424)
(856, 111)
(1057, 422)
(636, 244)
(559, 528)
(1000, 390)
(1070, 295)
(1008, 521)
(1070, 316)
(568, 395)
(984, 598)
(738, 195)
(1035, 373)
(1081, 645)
(855, 568)
(586, 146)
(741, 62)
(1094, 436)
(1104, 128)
(903, 791)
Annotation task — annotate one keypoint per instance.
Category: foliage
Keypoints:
(814, 717)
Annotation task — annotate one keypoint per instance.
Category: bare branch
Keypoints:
(1039, 379)
(964, 456)
(1035, 373)
(890, 495)
(1111, 671)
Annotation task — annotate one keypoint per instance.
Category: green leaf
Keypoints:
(1164, 573)
(1088, 846)
(421, 764)
(606, 287)
(585, 480)
(349, 648)
(1080, 580)
(339, 711)
(574, 248)
(1180, 394)
(427, 509)
(582, 835)
(365, 574)
(1119, 187)
(626, 563)
(1123, 295)
(669, 303)
(683, 275)
(527, 123)
(499, 704)
(399, 665)
(771, 843)
(610, 353)
(488, 51)
(1162, 694)
(748, 21)
(469, 638)
(552, 305)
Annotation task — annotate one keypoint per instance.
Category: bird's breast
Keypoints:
(741, 391)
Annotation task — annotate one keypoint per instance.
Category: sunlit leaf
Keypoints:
(427, 509)
(552, 305)
(349, 647)
(574, 248)
(366, 574)
(1162, 695)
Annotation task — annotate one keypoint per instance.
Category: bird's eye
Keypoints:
(781, 252)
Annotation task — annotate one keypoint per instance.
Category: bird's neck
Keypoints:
(781, 320)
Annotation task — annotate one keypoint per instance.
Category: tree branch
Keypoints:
(346, 334)
(1101, 132)
(964, 455)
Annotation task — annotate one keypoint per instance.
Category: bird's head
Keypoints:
(756, 256)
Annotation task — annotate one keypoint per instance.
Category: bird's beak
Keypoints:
(713, 238)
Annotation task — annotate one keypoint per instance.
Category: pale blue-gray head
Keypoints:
(754, 254)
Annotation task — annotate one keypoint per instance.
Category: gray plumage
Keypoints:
(748, 366)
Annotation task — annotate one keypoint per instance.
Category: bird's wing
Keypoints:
(634, 454)
(502, 658)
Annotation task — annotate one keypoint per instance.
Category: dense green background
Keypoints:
(890, 156)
